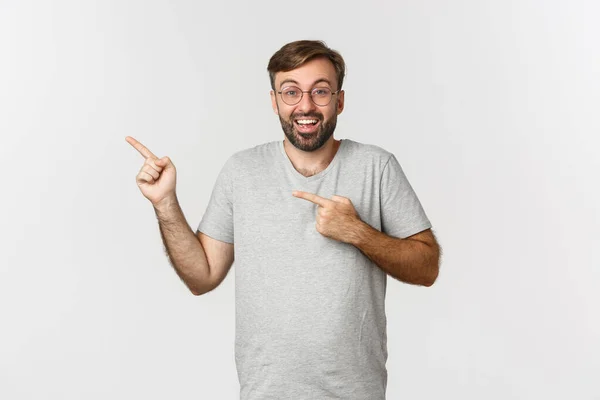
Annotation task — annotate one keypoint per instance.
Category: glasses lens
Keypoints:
(291, 95)
(321, 96)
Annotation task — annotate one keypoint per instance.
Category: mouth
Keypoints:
(307, 125)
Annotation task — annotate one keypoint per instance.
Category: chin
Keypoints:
(313, 143)
(307, 144)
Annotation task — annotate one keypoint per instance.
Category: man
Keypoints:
(317, 224)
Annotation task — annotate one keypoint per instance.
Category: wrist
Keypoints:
(166, 203)
(359, 233)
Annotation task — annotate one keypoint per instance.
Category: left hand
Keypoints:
(336, 217)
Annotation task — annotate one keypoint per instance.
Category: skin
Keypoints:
(309, 162)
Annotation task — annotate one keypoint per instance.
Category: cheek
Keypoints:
(285, 112)
(330, 113)
(285, 115)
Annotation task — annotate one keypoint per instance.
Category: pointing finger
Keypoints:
(312, 197)
(341, 199)
(140, 147)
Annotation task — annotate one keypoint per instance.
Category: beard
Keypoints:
(308, 142)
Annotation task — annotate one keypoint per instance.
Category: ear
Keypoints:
(340, 102)
(274, 102)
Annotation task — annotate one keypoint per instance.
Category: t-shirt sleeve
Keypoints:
(217, 221)
(401, 212)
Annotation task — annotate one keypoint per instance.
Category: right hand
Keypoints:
(157, 177)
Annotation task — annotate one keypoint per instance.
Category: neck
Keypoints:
(310, 163)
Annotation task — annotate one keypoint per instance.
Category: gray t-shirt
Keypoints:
(310, 311)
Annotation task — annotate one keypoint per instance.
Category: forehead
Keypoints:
(309, 72)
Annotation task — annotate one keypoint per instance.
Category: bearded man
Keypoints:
(314, 225)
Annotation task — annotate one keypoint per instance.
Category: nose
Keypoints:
(306, 104)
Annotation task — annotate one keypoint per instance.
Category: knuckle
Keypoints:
(150, 163)
(144, 176)
(152, 172)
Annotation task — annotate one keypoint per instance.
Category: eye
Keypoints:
(290, 93)
(321, 92)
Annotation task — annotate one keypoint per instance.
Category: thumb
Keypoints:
(162, 161)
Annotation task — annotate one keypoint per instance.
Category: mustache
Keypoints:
(306, 116)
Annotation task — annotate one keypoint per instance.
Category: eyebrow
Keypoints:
(313, 84)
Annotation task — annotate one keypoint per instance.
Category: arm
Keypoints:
(412, 260)
(201, 262)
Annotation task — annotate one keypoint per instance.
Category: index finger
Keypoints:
(312, 197)
(140, 147)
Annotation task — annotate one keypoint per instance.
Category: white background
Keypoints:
(491, 107)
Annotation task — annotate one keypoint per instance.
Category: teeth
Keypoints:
(307, 121)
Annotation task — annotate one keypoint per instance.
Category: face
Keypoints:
(315, 73)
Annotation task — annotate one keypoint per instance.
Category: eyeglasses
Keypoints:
(292, 95)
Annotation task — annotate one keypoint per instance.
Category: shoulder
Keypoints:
(249, 159)
(367, 152)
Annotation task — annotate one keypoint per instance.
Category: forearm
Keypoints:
(411, 261)
(183, 248)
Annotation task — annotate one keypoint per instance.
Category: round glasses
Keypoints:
(292, 95)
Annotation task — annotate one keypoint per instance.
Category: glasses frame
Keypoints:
(307, 91)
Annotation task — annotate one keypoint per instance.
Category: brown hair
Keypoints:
(294, 54)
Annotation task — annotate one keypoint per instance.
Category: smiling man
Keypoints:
(315, 225)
